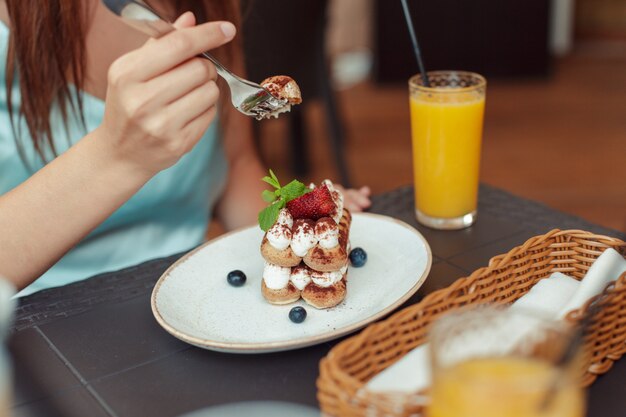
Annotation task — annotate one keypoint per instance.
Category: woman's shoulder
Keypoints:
(4, 14)
(4, 22)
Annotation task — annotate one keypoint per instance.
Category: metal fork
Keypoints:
(249, 98)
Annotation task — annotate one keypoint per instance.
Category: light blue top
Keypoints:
(169, 214)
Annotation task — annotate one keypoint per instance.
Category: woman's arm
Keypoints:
(44, 217)
(159, 103)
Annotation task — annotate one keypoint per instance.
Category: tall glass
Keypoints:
(496, 363)
(447, 127)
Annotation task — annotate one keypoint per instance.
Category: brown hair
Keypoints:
(47, 53)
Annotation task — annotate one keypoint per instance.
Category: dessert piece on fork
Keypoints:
(283, 88)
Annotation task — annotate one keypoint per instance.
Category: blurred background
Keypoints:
(555, 122)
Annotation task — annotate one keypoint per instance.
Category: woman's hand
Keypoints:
(355, 200)
(161, 98)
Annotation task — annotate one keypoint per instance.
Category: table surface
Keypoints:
(94, 349)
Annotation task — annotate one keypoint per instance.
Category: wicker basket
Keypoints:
(350, 364)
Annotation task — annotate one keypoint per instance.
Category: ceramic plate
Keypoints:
(193, 301)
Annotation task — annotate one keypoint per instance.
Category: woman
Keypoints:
(110, 150)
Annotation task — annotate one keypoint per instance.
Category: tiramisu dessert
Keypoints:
(306, 244)
(285, 89)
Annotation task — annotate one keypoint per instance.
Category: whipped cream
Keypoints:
(337, 199)
(300, 277)
(326, 279)
(327, 233)
(276, 277)
(284, 217)
(279, 236)
(285, 109)
(303, 237)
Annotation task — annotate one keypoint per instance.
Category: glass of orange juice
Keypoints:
(495, 363)
(447, 127)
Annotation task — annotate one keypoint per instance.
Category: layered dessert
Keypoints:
(306, 245)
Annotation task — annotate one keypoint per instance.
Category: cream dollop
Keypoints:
(326, 279)
(303, 237)
(279, 236)
(276, 277)
(327, 233)
(337, 199)
(300, 277)
(284, 217)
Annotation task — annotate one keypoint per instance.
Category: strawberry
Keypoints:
(313, 205)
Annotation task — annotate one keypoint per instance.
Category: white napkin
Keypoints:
(409, 374)
(548, 296)
(608, 267)
(552, 297)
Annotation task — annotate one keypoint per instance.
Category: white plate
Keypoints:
(193, 301)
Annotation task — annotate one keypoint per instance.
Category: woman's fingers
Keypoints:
(185, 20)
(180, 81)
(355, 200)
(178, 46)
(194, 130)
(365, 190)
(194, 104)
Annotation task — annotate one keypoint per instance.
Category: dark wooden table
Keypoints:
(94, 349)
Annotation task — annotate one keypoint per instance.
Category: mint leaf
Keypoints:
(268, 196)
(293, 190)
(268, 216)
(271, 182)
(278, 198)
(274, 178)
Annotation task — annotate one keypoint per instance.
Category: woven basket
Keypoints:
(350, 364)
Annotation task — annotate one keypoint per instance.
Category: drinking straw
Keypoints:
(416, 47)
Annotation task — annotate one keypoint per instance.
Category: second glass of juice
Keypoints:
(447, 127)
(497, 363)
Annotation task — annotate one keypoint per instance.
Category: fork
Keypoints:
(249, 98)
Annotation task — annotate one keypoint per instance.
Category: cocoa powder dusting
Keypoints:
(320, 256)
(280, 80)
(316, 289)
(324, 224)
(306, 225)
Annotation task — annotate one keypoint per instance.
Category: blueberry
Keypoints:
(236, 278)
(358, 257)
(297, 314)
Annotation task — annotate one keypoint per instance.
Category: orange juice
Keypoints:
(447, 124)
(504, 386)
(446, 155)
